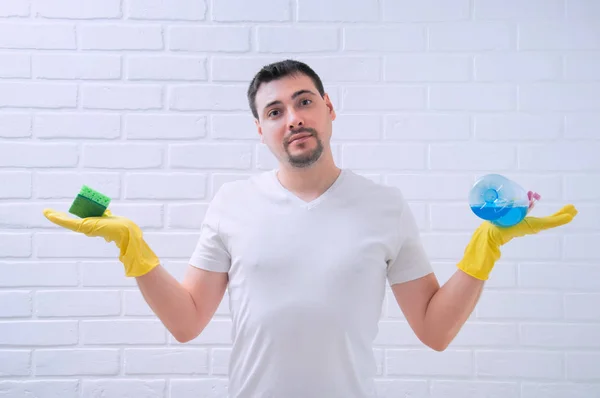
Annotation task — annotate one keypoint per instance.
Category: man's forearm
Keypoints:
(170, 301)
(450, 307)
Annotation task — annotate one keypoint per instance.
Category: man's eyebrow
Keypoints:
(296, 94)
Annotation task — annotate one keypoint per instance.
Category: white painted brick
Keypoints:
(77, 66)
(519, 305)
(558, 35)
(14, 363)
(105, 274)
(172, 185)
(559, 96)
(186, 216)
(453, 217)
(172, 244)
(583, 365)
(208, 388)
(39, 36)
(377, 39)
(152, 67)
(472, 156)
(582, 126)
(560, 156)
(427, 127)
(188, 10)
(222, 178)
(120, 37)
(259, 11)
(204, 156)
(584, 67)
(549, 186)
(428, 68)
(515, 10)
(447, 246)
(542, 247)
(238, 68)
(16, 245)
(390, 388)
(515, 67)
(386, 157)
(208, 97)
(66, 184)
(519, 364)
(297, 39)
(518, 127)
(117, 97)
(474, 389)
(581, 247)
(159, 361)
(356, 127)
(555, 335)
(179, 269)
(15, 65)
(425, 11)
(14, 9)
(578, 187)
(77, 9)
(76, 303)
(38, 155)
(122, 332)
(383, 98)
(472, 36)
(220, 361)
(77, 125)
(434, 187)
(559, 276)
(473, 97)
(209, 38)
(586, 220)
(38, 95)
(582, 306)
(558, 389)
(164, 127)
(486, 334)
(38, 274)
(38, 333)
(127, 156)
(40, 388)
(338, 11)
(15, 304)
(233, 127)
(351, 68)
(72, 245)
(579, 10)
(135, 304)
(217, 331)
(421, 362)
(15, 185)
(74, 362)
(15, 125)
(123, 388)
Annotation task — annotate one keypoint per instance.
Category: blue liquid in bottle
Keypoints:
(499, 200)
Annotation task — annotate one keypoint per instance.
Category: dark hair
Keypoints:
(278, 70)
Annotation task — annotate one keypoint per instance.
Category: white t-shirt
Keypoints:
(307, 280)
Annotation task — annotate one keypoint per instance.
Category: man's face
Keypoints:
(294, 121)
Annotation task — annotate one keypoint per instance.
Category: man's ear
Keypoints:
(329, 105)
(259, 130)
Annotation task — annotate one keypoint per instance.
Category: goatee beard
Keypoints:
(305, 160)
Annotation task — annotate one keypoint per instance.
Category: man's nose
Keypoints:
(294, 120)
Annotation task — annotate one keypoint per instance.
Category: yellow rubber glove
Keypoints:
(135, 254)
(483, 250)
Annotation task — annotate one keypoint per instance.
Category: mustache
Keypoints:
(301, 130)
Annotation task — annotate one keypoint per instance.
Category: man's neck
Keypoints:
(311, 182)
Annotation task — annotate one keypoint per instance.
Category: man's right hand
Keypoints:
(135, 254)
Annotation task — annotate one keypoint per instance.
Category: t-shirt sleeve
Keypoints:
(410, 260)
(211, 253)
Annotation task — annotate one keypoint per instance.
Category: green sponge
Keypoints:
(89, 203)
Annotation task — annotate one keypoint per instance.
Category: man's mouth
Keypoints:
(300, 137)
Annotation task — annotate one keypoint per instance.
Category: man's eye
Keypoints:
(273, 113)
(305, 102)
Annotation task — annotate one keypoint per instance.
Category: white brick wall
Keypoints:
(145, 101)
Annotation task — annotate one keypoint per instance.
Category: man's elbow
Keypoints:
(438, 346)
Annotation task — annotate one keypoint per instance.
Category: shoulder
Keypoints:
(373, 192)
(240, 189)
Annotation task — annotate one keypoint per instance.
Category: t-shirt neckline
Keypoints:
(301, 202)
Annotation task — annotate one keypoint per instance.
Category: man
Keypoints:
(305, 252)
